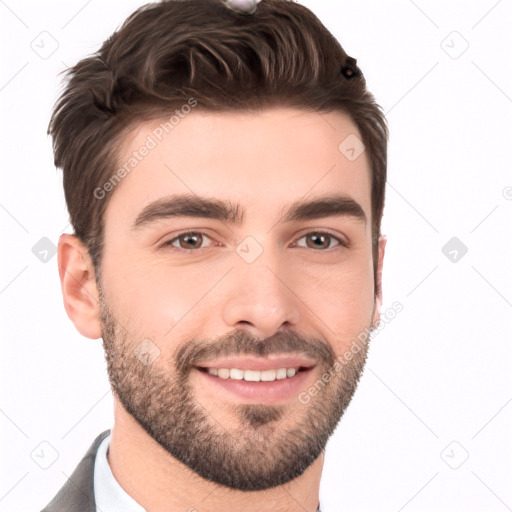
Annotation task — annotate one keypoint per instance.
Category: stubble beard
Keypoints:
(258, 446)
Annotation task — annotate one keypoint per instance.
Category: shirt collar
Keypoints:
(109, 495)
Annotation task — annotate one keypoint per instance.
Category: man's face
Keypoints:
(192, 293)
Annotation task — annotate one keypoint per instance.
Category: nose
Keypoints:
(260, 298)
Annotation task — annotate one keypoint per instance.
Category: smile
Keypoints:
(255, 379)
(253, 375)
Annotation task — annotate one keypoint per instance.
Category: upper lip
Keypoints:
(259, 363)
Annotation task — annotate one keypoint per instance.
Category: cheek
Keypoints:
(160, 298)
(341, 298)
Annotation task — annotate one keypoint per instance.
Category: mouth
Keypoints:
(269, 375)
(257, 380)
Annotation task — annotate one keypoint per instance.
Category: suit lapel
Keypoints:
(77, 494)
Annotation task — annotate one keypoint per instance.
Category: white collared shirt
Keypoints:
(109, 495)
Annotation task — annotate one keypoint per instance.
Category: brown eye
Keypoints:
(318, 240)
(189, 241)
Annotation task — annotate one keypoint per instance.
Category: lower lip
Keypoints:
(273, 391)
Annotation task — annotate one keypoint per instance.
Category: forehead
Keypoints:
(258, 159)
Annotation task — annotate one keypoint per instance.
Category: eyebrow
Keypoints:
(191, 205)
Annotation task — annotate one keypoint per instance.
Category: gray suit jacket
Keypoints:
(77, 494)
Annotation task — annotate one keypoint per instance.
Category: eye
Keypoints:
(321, 240)
(189, 241)
(193, 241)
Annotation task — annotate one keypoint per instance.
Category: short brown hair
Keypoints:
(168, 52)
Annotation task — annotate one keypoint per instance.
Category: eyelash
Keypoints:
(168, 244)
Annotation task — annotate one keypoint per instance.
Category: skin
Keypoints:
(324, 297)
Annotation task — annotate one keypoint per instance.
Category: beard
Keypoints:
(246, 447)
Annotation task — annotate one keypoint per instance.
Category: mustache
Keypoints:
(238, 343)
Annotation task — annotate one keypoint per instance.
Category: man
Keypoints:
(224, 170)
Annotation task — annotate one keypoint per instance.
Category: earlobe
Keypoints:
(378, 285)
(78, 284)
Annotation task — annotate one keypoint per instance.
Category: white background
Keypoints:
(438, 373)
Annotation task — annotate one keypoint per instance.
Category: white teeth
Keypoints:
(281, 373)
(268, 375)
(236, 374)
(223, 373)
(253, 375)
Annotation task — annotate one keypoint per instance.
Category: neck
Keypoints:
(161, 483)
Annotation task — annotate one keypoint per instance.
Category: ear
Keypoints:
(78, 284)
(378, 297)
